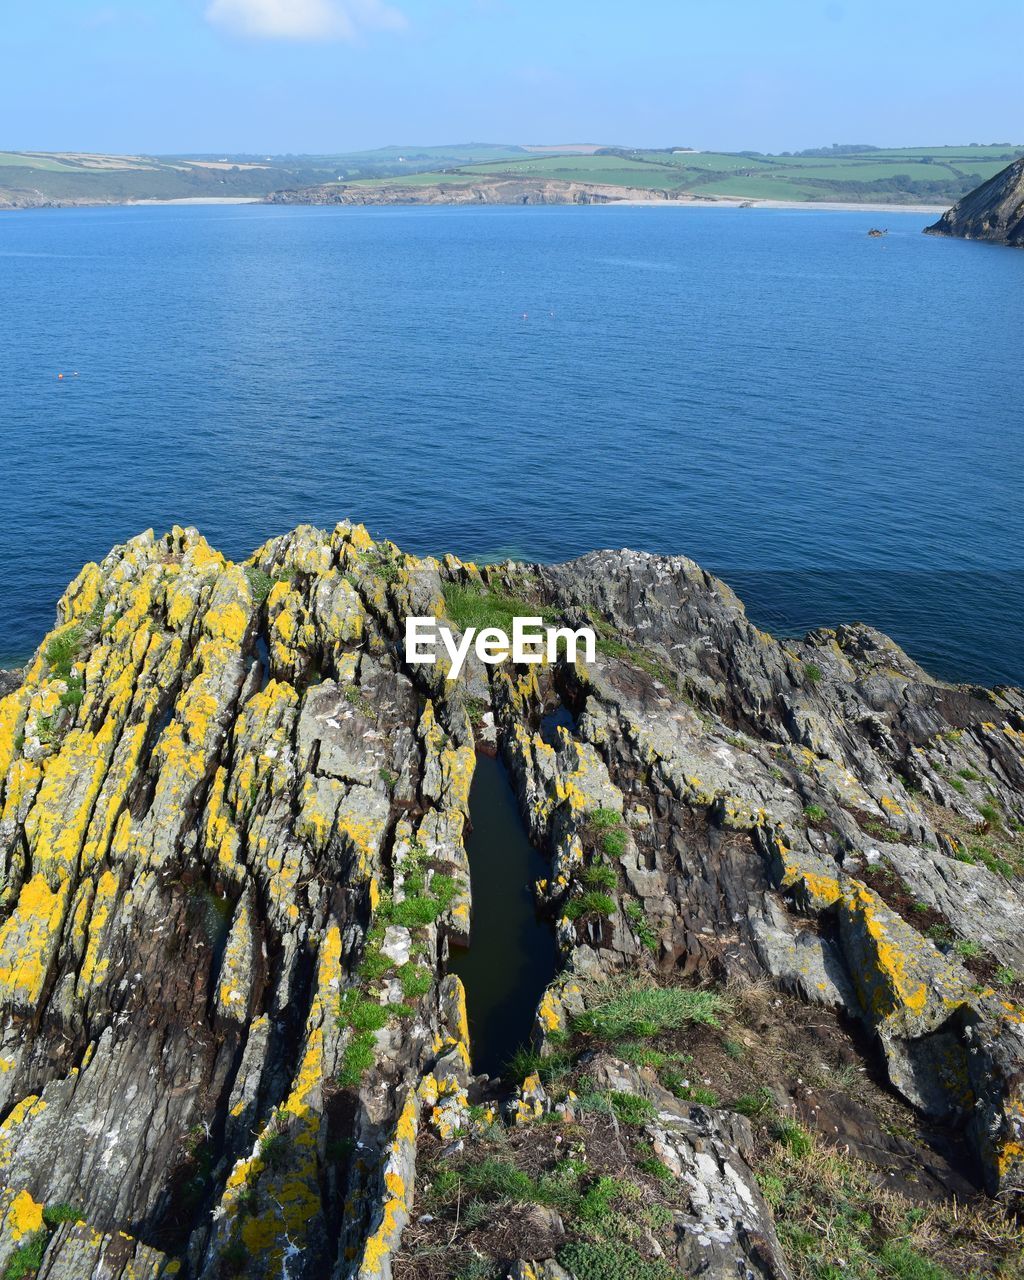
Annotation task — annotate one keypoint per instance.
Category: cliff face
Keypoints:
(483, 191)
(994, 211)
(232, 837)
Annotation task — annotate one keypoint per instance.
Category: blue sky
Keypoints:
(330, 75)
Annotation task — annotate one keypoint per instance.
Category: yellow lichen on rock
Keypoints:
(28, 942)
(95, 964)
(22, 1217)
(397, 1178)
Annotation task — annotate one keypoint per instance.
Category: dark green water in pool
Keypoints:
(512, 955)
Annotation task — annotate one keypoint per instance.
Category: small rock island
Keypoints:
(785, 881)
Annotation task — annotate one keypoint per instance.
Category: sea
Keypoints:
(832, 422)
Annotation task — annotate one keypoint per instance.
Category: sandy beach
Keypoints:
(198, 200)
(834, 206)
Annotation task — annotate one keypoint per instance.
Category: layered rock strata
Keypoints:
(994, 211)
(232, 836)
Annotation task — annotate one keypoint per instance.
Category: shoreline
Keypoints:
(128, 204)
(826, 206)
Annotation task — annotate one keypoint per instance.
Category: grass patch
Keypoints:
(383, 562)
(357, 1059)
(792, 1135)
(600, 876)
(611, 1260)
(359, 1012)
(835, 1222)
(605, 830)
(55, 1214)
(641, 1054)
(416, 980)
(812, 672)
(638, 1012)
(991, 813)
(526, 1062)
(421, 905)
(591, 903)
(641, 926)
(28, 1257)
(62, 651)
(755, 1105)
(473, 605)
(631, 1108)
(260, 583)
(74, 695)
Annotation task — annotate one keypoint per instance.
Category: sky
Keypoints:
(322, 76)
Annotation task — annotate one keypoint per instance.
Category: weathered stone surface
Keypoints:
(231, 842)
(994, 211)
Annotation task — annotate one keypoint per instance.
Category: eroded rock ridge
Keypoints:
(232, 835)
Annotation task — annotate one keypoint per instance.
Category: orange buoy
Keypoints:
(60, 377)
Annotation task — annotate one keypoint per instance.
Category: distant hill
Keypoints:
(994, 211)
(928, 175)
(46, 179)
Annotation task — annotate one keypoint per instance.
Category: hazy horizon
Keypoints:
(319, 77)
(447, 144)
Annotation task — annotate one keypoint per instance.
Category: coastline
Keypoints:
(125, 204)
(829, 206)
(637, 202)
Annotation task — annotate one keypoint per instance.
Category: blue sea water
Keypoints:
(831, 422)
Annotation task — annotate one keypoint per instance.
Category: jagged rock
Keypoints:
(993, 211)
(530, 1103)
(546, 1270)
(226, 802)
(726, 1228)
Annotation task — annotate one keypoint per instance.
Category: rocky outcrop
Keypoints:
(994, 211)
(232, 838)
(494, 190)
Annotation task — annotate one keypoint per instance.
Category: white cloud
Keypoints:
(304, 19)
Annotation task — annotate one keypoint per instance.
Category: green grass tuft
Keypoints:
(591, 903)
(641, 1012)
(62, 651)
(641, 926)
(359, 1012)
(357, 1059)
(55, 1214)
(790, 1133)
(28, 1257)
(611, 1260)
(600, 876)
(631, 1108)
(260, 583)
(471, 605)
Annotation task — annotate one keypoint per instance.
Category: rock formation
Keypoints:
(232, 836)
(483, 190)
(994, 211)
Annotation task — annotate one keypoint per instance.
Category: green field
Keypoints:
(929, 175)
(37, 177)
(938, 175)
